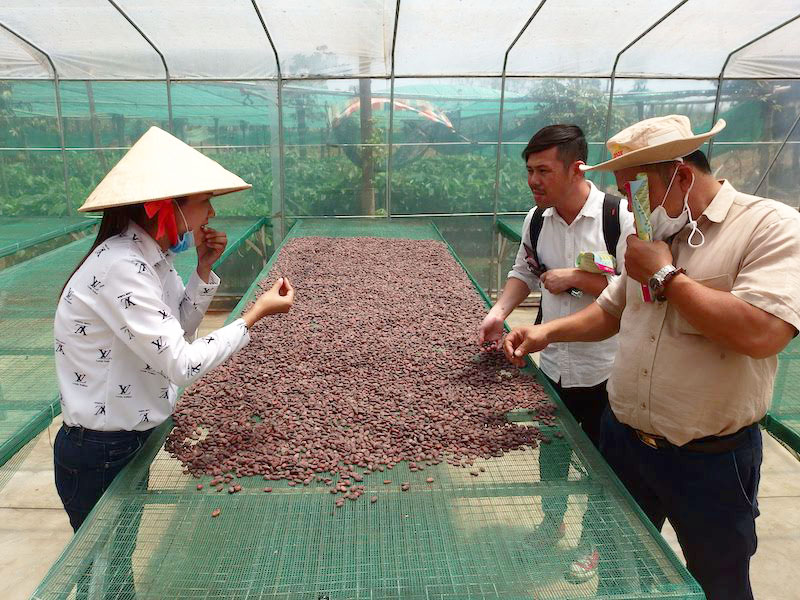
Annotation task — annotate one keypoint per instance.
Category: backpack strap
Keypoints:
(535, 230)
(611, 226)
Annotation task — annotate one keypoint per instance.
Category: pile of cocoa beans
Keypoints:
(377, 363)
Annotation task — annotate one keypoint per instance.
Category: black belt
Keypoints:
(106, 435)
(709, 445)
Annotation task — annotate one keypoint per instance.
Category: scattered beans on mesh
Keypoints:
(376, 364)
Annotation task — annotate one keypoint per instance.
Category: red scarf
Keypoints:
(165, 210)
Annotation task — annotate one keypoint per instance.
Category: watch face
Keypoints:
(654, 283)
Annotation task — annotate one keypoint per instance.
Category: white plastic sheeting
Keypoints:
(209, 39)
(581, 36)
(451, 37)
(331, 38)
(18, 60)
(87, 39)
(695, 40)
(776, 55)
(205, 39)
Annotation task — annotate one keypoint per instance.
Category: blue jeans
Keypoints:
(86, 463)
(709, 499)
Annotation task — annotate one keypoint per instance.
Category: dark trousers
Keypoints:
(710, 500)
(86, 463)
(587, 405)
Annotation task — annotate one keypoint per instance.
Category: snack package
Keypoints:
(639, 197)
(597, 262)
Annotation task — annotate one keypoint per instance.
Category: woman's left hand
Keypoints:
(210, 245)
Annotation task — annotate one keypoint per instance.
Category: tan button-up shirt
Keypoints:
(668, 379)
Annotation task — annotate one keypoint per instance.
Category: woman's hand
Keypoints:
(278, 299)
(210, 244)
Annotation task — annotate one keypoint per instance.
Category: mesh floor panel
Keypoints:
(459, 537)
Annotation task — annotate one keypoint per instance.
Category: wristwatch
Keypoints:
(658, 281)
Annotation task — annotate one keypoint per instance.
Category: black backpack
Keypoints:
(611, 232)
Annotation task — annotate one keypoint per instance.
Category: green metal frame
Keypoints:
(507, 228)
(29, 242)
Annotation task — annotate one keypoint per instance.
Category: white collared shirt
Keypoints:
(123, 330)
(575, 364)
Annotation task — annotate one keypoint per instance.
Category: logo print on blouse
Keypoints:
(141, 266)
(160, 344)
(194, 369)
(149, 370)
(59, 347)
(206, 291)
(101, 408)
(127, 331)
(124, 391)
(105, 354)
(145, 418)
(209, 339)
(80, 327)
(125, 300)
(96, 285)
(164, 314)
(80, 379)
(101, 249)
(69, 296)
(136, 238)
(164, 394)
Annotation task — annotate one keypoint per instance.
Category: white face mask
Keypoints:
(664, 226)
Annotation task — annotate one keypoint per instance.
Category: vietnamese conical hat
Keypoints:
(655, 140)
(160, 166)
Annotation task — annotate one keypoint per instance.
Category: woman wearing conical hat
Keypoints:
(124, 319)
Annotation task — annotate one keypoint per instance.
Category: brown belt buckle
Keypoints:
(647, 439)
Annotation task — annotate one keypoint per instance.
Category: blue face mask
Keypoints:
(186, 240)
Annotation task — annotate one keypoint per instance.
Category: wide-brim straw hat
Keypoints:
(160, 166)
(655, 140)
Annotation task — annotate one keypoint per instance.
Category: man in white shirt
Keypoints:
(572, 223)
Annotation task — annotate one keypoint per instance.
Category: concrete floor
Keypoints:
(34, 528)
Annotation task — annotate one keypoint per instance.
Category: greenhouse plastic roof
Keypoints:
(259, 39)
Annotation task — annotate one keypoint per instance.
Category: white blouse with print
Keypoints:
(123, 331)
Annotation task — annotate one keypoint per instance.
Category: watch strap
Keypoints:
(669, 277)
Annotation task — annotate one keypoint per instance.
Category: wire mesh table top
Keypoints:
(460, 536)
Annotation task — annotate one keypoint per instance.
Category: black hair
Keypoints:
(569, 140)
(699, 160)
(116, 220)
